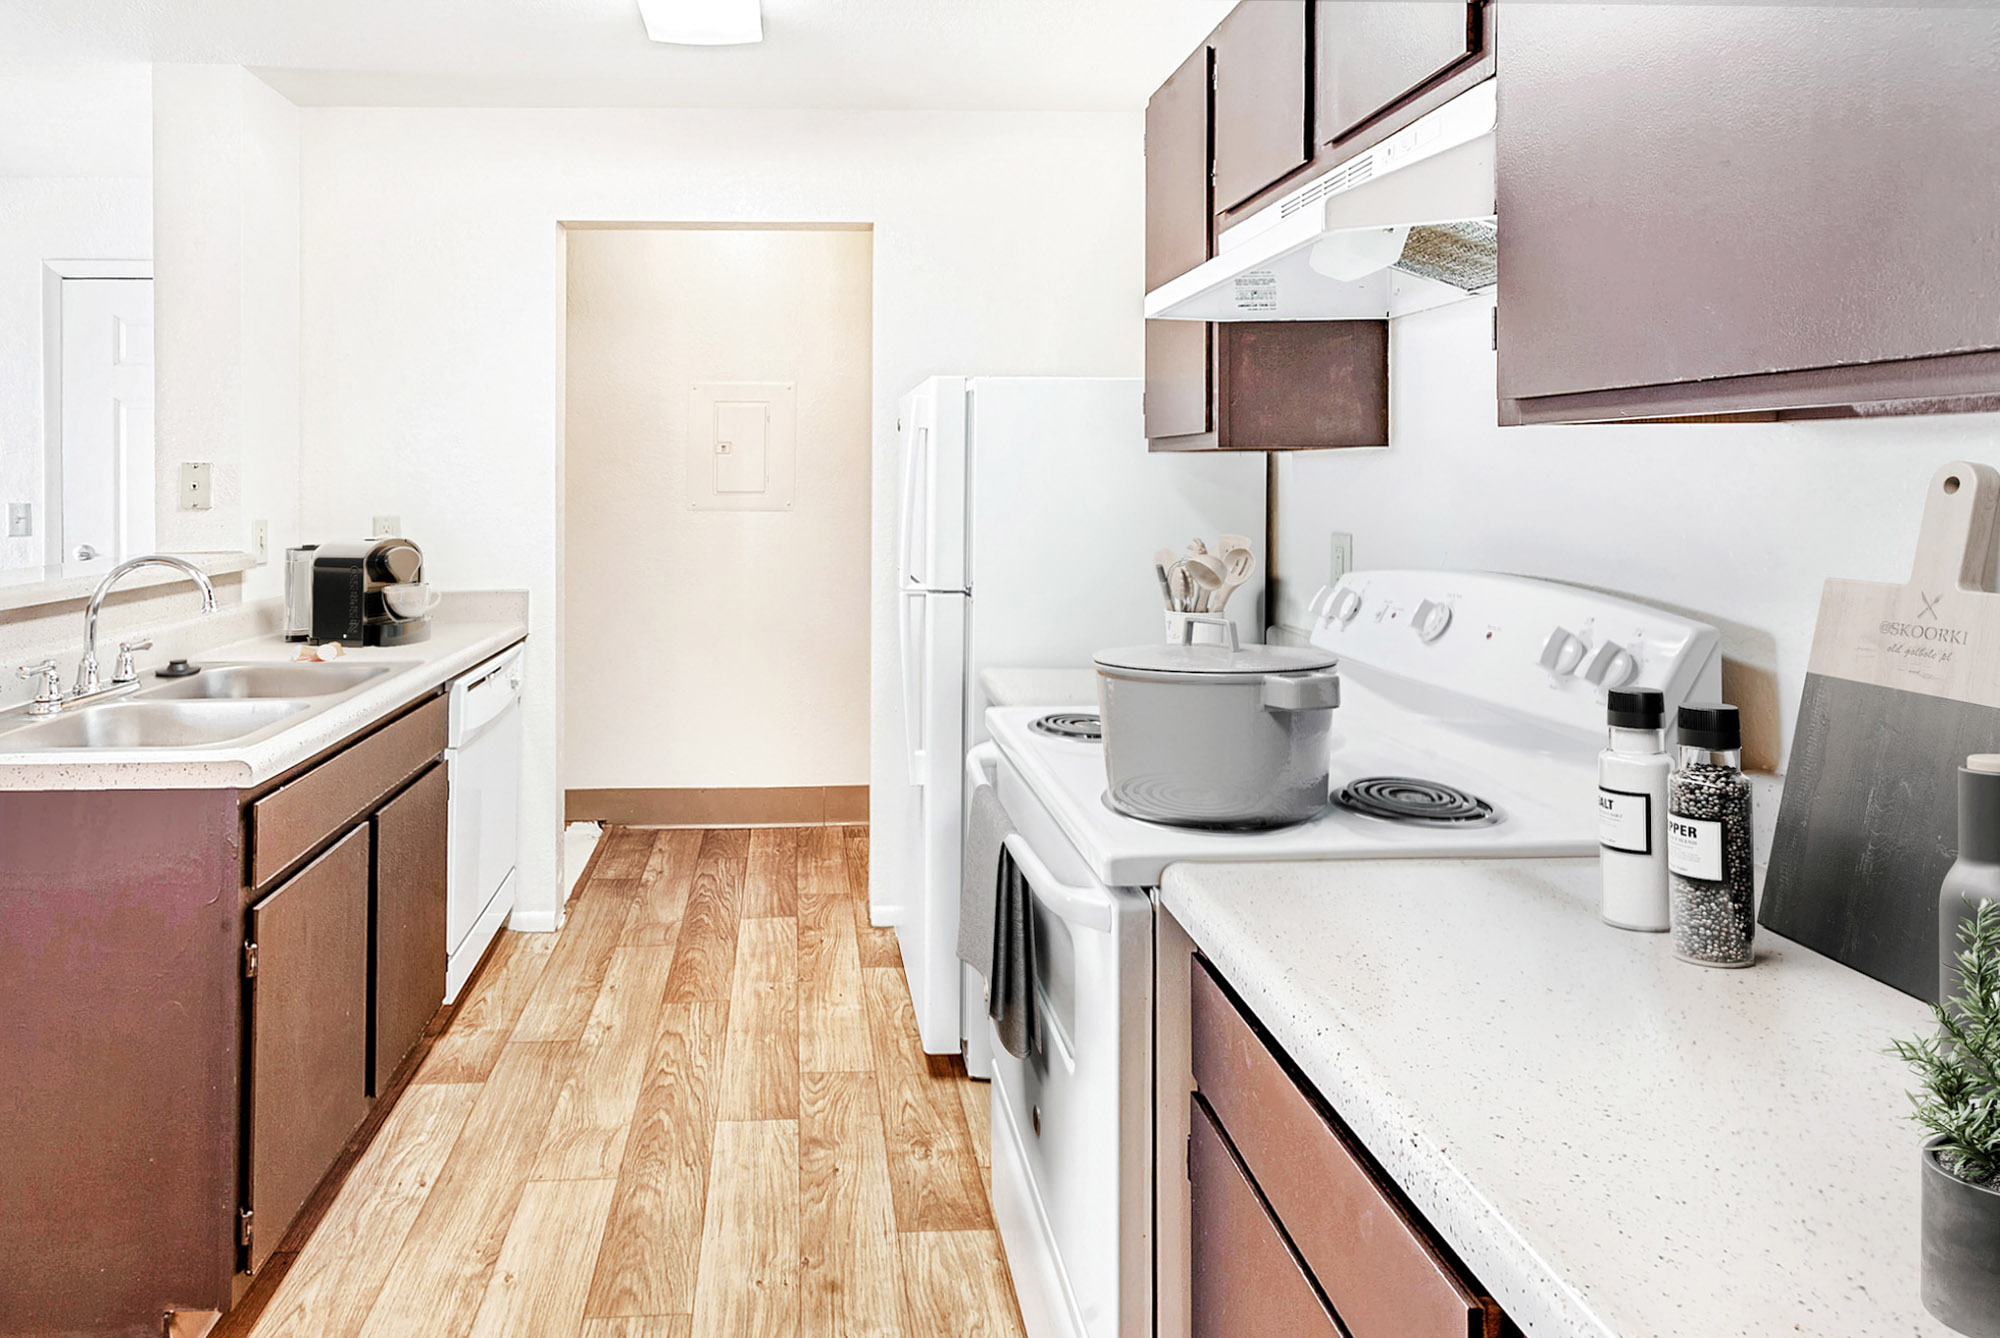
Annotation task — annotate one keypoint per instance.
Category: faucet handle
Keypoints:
(51, 697)
(125, 671)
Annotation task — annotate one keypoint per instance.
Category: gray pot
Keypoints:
(1961, 1250)
(1217, 736)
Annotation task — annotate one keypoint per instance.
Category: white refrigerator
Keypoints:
(1030, 512)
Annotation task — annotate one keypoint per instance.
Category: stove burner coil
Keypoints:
(1408, 799)
(1083, 726)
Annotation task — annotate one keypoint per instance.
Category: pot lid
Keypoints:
(1168, 658)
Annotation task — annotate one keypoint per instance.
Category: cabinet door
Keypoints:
(1698, 193)
(410, 892)
(1177, 163)
(1369, 55)
(1263, 128)
(1244, 1279)
(308, 1033)
(1180, 390)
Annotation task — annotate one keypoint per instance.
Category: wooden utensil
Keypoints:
(1239, 563)
(1902, 684)
(1226, 544)
(1209, 576)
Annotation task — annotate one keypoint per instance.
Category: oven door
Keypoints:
(1073, 1122)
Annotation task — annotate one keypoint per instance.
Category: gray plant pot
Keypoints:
(1961, 1268)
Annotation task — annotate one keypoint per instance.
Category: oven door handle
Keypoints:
(1084, 907)
(982, 768)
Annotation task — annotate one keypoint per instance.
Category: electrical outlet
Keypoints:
(197, 486)
(388, 527)
(20, 520)
(260, 540)
(1342, 560)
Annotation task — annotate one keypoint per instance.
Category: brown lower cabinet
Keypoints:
(1246, 1282)
(409, 938)
(205, 993)
(1282, 1195)
(308, 1032)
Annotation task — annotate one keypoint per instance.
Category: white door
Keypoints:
(107, 419)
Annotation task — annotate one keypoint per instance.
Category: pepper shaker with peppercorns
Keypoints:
(1711, 877)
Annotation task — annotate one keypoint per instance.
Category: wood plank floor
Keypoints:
(700, 1111)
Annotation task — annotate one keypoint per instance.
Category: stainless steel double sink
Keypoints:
(223, 704)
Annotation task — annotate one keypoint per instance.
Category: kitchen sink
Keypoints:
(237, 682)
(152, 724)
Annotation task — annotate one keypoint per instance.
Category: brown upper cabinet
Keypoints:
(1728, 209)
(1263, 103)
(1301, 86)
(1178, 213)
(1371, 55)
(1288, 386)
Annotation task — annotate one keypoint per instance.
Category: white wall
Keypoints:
(1004, 243)
(75, 184)
(226, 267)
(744, 632)
(1736, 523)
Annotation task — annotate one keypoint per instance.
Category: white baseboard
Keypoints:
(535, 922)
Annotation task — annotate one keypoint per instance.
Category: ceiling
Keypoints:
(970, 54)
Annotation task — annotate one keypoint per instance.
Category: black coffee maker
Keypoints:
(358, 590)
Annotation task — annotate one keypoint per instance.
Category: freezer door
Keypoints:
(934, 721)
(931, 546)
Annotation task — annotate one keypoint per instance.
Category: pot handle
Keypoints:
(1317, 691)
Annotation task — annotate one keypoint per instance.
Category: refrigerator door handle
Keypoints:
(916, 484)
(915, 662)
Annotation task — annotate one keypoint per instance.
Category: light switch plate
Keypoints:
(1342, 559)
(197, 485)
(388, 527)
(20, 520)
(260, 539)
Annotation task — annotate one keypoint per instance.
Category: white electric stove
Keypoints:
(1472, 711)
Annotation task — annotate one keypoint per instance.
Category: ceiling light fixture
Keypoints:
(703, 22)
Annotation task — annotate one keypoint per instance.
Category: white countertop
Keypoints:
(1615, 1142)
(1039, 687)
(467, 629)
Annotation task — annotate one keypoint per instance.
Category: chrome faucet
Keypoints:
(87, 683)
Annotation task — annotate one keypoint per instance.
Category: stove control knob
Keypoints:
(1431, 620)
(1610, 666)
(1345, 605)
(1562, 652)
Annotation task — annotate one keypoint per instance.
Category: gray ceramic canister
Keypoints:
(1975, 877)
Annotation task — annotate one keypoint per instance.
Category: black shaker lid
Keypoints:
(1711, 725)
(1636, 708)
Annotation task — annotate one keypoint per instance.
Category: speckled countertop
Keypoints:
(467, 628)
(1039, 687)
(1614, 1141)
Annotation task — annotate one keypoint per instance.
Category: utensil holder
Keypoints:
(1201, 629)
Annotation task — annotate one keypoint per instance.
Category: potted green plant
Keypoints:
(1959, 1103)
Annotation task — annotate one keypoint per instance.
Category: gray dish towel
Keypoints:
(1010, 985)
(996, 925)
(986, 826)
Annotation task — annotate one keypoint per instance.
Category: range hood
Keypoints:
(1404, 226)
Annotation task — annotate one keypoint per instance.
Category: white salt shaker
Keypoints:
(1632, 812)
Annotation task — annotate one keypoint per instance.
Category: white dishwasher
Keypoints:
(483, 752)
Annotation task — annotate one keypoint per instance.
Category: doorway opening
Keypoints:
(716, 478)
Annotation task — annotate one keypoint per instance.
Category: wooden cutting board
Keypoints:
(1903, 683)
